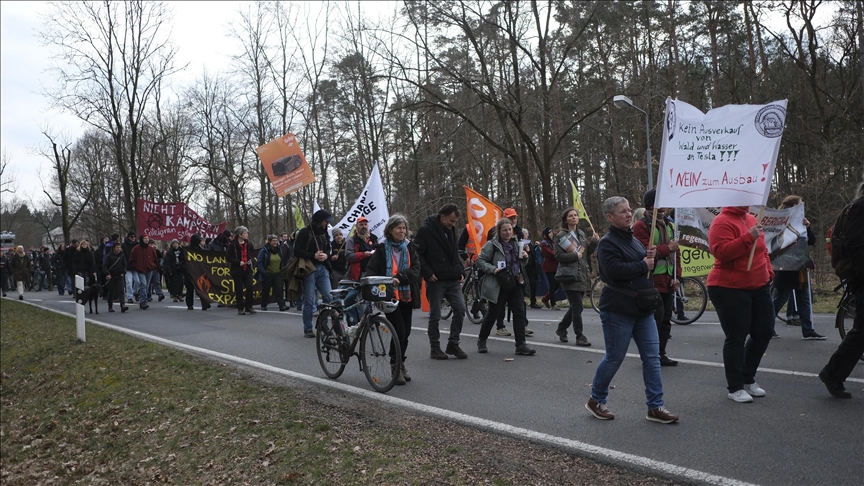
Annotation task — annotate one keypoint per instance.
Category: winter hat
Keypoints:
(321, 215)
(648, 199)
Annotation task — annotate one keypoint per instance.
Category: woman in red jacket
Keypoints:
(549, 266)
(742, 298)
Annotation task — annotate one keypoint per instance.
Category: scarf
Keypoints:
(511, 256)
(403, 290)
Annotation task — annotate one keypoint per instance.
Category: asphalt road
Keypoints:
(798, 434)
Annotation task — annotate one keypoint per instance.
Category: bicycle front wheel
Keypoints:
(329, 343)
(380, 353)
(846, 315)
(596, 290)
(690, 301)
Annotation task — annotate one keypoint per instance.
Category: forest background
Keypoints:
(510, 98)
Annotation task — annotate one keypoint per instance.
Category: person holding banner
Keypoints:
(666, 270)
(270, 264)
(443, 272)
(239, 255)
(313, 243)
(742, 298)
(397, 257)
(194, 245)
(627, 311)
(573, 273)
(792, 288)
(503, 259)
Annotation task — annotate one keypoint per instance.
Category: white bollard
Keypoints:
(79, 311)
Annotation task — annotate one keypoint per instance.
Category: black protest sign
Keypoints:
(211, 274)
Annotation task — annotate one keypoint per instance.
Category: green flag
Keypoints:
(298, 218)
(577, 203)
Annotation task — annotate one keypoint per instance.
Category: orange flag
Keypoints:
(482, 215)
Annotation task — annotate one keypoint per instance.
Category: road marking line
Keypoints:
(601, 454)
(509, 339)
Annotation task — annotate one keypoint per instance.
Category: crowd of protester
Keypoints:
(641, 276)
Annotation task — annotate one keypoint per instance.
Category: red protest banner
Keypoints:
(167, 221)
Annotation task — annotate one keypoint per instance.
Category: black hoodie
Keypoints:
(438, 251)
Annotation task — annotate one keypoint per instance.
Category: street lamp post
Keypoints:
(621, 101)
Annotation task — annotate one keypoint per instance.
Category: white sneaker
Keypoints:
(754, 390)
(740, 396)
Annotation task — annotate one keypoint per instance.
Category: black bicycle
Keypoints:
(476, 306)
(845, 311)
(380, 354)
(691, 299)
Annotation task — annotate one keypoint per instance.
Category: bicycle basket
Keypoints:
(377, 289)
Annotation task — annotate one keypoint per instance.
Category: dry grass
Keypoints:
(118, 410)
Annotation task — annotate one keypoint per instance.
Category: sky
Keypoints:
(199, 30)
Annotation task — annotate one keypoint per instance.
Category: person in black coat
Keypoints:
(313, 243)
(241, 258)
(442, 269)
(194, 245)
(83, 263)
(172, 267)
(114, 270)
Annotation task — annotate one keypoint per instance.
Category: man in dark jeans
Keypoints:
(843, 360)
(441, 268)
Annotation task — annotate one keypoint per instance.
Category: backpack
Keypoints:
(840, 261)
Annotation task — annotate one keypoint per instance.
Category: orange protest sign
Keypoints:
(482, 215)
(285, 165)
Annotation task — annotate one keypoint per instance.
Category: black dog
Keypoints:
(89, 295)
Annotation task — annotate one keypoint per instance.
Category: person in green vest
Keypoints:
(667, 270)
(270, 264)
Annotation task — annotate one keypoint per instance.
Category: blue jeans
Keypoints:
(144, 279)
(131, 282)
(802, 300)
(318, 280)
(617, 331)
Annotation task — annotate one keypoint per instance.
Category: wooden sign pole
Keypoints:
(753, 250)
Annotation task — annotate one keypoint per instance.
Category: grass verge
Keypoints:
(119, 410)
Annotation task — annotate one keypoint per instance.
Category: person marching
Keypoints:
(742, 297)
(313, 243)
(19, 269)
(550, 267)
(359, 248)
(144, 262)
(194, 245)
(338, 262)
(172, 266)
(443, 272)
(573, 273)
(665, 279)
(239, 255)
(397, 256)
(114, 269)
(270, 264)
(624, 266)
(503, 260)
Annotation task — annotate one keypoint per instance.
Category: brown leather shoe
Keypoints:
(661, 415)
(581, 340)
(599, 410)
(562, 335)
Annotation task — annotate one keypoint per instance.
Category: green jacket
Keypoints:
(583, 276)
(490, 255)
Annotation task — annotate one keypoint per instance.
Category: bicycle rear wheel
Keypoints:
(377, 343)
(596, 290)
(471, 293)
(690, 301)
(846, 315)
(329, 343)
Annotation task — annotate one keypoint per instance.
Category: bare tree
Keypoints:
(7, 176)
(61, 165)
(111, 58)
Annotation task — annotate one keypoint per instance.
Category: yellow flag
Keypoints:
(577, 203)
(298, 218)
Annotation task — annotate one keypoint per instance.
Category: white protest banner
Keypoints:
(372, 203)
(785, 236)
(725, 157)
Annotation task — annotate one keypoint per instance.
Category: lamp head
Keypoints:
(621, 101)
